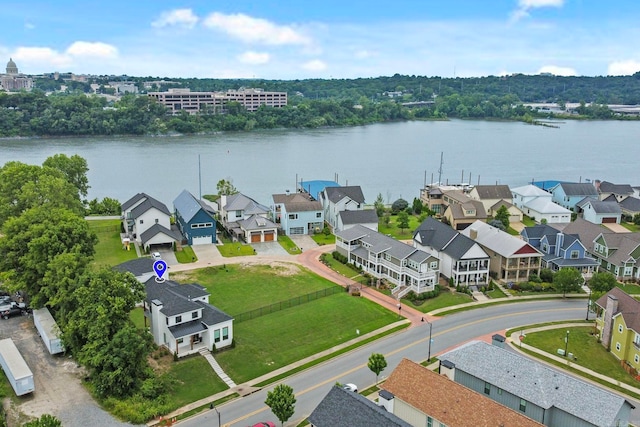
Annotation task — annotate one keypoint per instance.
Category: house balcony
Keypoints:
(400, 270)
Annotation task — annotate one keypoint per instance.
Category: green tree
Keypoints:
(45, 420)
(282, 402)
(225, 187)
(377, 363)
(568, 280)
(602, 282)
(417, 206)
(402, 220)
(399, 205)
(379, 205)
(503, 216)
(74, 169)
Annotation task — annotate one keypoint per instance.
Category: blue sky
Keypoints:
(287, 39)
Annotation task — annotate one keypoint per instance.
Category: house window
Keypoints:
(157, 220)
(166, 320)
(180, 340)
(618, 346)
(318, 214)
(216, 335)
(178, 319)
(628, 271)
(293, 216)
(545, 248)
(523, 405)
(141, 222)
(636, 358)
(225, 333)
(620, 328)
(575, 254)
(499, 391)
(194, 315)
(487, 388)
(429, 422)
(202, 225)
(433, 265)
(238, 214)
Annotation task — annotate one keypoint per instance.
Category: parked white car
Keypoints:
(156, 255)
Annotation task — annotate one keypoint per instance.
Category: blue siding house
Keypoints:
(568, 194)
(560, 250)
(194, 219)
(297, 213)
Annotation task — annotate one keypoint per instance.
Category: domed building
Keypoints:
(13, 81)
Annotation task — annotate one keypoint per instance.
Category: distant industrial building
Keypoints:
(177, 100)
(13, 80)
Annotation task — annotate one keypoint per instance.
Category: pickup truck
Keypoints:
(11, 310)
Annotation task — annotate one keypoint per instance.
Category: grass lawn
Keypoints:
(585, 347)
(276, 340)
(630, 226)
(528, 222)
(513, 231)
(235, 249)
(186, 255)
(236, 289)
(321, 239)
(109, 248)
(445, 299)
(393, 230)
(137, 317)
(288, 245)
(496, 293)
(630, 288)
(195, 380)
(344, 269)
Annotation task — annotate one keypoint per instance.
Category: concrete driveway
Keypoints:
(617, 228)
(269, 248)
(304, 241)
(207, 253)
(167, 255)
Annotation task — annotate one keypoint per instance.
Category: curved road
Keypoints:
(313, 384)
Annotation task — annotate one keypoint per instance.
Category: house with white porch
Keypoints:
(408, 268)
(180, 318)
(461, 258)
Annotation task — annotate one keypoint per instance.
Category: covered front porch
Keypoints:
(188, 338)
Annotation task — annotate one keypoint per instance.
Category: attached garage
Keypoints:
(202, 240)
(269, 236)
(255, 237)
(609, 220)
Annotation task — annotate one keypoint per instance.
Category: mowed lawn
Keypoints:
(109, 248)
(270, 342)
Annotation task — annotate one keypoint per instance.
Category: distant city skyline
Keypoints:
(298, 40)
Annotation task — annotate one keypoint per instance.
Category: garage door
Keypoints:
(296, 230)
(268, 236)
(255, 237)
(610, 220)
(202, 240)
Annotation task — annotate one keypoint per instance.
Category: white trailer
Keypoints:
(48, 330)
(15, 368)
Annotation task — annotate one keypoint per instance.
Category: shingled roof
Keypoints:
(449, 402)
(354, 192)
(628, 307)
(578, 189)
(493, 192)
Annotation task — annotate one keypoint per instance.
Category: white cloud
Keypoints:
(623, 68)
(95, 49)
(314, 65)
(558, 71)
(177, 17)
(364, 54)
(255, 30)
(524, 6)
(254, 58)
(35, 56)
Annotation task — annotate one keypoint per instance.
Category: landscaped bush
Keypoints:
(417, 299)
(339, 257)
(546, 275)
(534, 278)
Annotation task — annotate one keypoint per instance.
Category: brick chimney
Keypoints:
(610, 310)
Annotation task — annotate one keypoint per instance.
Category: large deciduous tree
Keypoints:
(74, 169)
(377, 363)
(568, 280)
(403, 220)
(225, 187)
(282, 401)
(502, 215)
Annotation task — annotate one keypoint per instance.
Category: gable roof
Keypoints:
(544, 205)
(378, 243)
(536, 383)
(454, 404)
(530, 191)
(504, 203)
(630, 204)
(621, 189)
(443, 238)
(137, 266)
(149, 203)
(343, 408)
(458, 210)
(493, 191)
(623, 243)
(582, 203)
(132, 201)
(188, 206)
(578, 189)
(297, 202)
(497, 240)
(314, 188)
(605, 207)
(628, 306)
(354, 192)
(240, 202)
(586, 231)
(157, 229)
(538, 231)
(366, 216)
(255, 222)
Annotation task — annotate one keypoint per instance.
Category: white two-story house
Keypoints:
(247, 220)
(338, 199)
(408, 268)
(180, 318)
(148, 221)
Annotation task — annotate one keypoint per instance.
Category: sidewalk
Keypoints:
(515, 343)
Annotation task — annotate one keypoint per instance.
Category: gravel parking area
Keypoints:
(58, 383)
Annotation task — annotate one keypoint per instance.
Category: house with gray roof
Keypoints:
(338, 199)
(297, 213)
(567, 194)
(544, 394)
(194, 220)
(489, 195)
(246, 220)
(142, 268)
(343, 408)
(181, 318)
(462, 215)
(630, 207)
(619, 191)
(148, 221)
(367, 217)
(408, 268)
(461, 258)
(600, 212)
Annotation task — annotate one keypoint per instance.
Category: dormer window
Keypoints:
(178, 319)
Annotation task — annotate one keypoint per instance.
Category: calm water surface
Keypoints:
(392, 159)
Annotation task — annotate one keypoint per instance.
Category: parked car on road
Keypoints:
(350, 387)
(264, 424)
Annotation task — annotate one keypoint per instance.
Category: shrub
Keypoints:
(399, 205)
(546, 275)
(534, 278)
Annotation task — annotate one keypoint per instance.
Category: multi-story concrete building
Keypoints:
(13, 80)
(177, 100)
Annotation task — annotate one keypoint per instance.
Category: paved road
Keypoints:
(312, 385)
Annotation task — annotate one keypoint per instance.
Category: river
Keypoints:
(391, 158)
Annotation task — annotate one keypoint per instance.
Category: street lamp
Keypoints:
(588, 304)
(566, 344)
(429, 351)
(399, 310)
(211, 406)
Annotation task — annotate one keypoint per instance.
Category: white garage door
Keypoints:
(202, 240)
